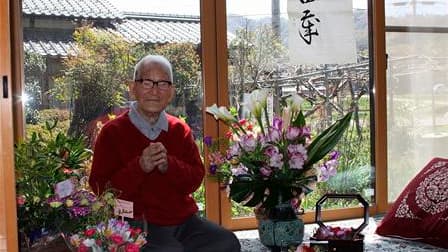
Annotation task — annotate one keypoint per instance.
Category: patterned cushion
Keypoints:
(421, 211)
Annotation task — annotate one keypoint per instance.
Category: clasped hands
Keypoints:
(154, 156)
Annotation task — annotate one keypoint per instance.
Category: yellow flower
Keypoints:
(234, 161)
(97, 206)
(55, 204)
(84, 202)
(36, 199)
(69, 203)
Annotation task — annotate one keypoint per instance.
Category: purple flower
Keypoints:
(296, 161)
(213, 168)
(275, 134)
(277, 123)
(292, 133)
(334, 155)
(294, 149)
(306, 132)
(248, 142)
(271, 150)
(276, 160)
(328, 169)
(208, 141)
(234, 150)
(266, 171)
(239, 170)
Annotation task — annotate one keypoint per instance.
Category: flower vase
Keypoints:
(280, 227)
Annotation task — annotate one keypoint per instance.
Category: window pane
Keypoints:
(80, 56)
(417, 87)
(260, 57)
(417, 104)
(416, 13)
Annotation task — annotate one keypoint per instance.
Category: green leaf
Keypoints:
(240, 188)
(299, 121)
(272, 198)
(326, 141)
(258, 194)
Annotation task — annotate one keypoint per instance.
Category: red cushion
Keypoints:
(421, 210)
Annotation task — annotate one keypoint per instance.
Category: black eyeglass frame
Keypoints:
(155, 83)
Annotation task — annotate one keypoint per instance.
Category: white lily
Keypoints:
(220, 113)
(294, 102)
(89, 243)
(257, 102)
(286, 117)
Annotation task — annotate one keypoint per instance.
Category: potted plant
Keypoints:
(53, 197)
(272, 163)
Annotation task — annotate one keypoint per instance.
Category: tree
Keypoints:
(94, 81)
(253, 58)
(187, 79)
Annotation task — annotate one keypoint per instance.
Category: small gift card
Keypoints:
(124, 208)
(65, 188)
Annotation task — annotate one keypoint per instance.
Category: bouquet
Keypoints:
(53, 196)
(113, 235)
(266, 161)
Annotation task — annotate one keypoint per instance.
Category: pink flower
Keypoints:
(274, 135)
(132, 247)
(20, 200)
(276, 160)
(117, 239)
(67, 171)
(248, 142)
(135, 231)
(83, 248)
(304, 248)
(296, 161)
(265, 171)
(292, 133)
(89, 232)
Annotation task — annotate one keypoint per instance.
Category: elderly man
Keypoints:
(152, 159)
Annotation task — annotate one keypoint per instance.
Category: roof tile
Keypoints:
(71, 8)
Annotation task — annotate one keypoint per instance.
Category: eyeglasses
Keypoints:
(148, 83)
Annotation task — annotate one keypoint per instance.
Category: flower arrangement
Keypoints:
(266, 161)
(53, 195)
(113, 235)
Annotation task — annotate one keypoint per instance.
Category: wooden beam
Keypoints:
(210, 87)
(380, 102)
(8, 217)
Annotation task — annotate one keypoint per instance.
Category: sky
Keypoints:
(191, 7)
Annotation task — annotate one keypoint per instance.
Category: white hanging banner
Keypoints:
(321, 32)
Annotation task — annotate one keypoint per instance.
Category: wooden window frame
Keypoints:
(378, 76)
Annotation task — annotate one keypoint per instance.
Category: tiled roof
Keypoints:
(101, 9)
(50, 48)
(150, 28)
(135, 27)
(52, 43)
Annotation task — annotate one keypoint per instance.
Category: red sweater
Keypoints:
(163, 199)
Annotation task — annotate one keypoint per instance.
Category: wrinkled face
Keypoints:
(151, 100)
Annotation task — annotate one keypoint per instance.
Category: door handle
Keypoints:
(5, 86)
